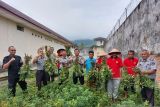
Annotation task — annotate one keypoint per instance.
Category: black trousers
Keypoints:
(130, 88)
(49, 77)
(148, 95)
(12, 82)
(75, 79)
(41, 77)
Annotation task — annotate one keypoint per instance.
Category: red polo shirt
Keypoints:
(99, 61)
(130, 64)
(115, 65)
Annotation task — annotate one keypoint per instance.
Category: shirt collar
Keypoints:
(131, 58)
(144, 60)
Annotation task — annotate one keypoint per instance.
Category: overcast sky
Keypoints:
(74, 19)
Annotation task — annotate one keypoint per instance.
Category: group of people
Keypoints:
(146, 64)
(113, 60)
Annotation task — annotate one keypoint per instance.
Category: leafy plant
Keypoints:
(26, 68)
(127, 80)
(94, 79)
(106, 72)
(143, 80)
(64, 74)
(68, 50)
(69, 95)
(50, 66)
(77, 68)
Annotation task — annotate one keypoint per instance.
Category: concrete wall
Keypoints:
(25, 42)
(141, 30)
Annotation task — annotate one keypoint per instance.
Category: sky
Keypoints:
(74, 19)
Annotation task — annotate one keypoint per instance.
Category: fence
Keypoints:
(128, 10)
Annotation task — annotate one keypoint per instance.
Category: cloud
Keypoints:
(74, 19)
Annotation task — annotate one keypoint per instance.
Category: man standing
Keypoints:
(79, 64)
(89, 61)
(59, 55)
(102, 57)
(115, 64)
(40, 74)
(53, 58)
(64, 62)
(148, 68)
(129, 64)
(13, 62)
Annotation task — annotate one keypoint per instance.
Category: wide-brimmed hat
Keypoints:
(114, 51)
(102, 53)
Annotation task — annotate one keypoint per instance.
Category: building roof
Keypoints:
(99, 38)
(30, 20)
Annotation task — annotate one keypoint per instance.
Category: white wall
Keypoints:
(24, 42)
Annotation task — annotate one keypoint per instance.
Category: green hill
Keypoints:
(84, 42)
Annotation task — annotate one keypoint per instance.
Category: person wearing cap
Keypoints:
(129, 64)
(115, 64)
(39, 60)
(89, 61)
(148, 68)
(59, 55)
(102, 56)
(64, 62)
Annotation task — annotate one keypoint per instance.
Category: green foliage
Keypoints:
(64, 74)
(94, 77)
(127, 80)
(106, 72)
(157, 95)
(143, 80)
(68, 50)
(69, 95)
(50, 65)
(77, 68)
(26, 68)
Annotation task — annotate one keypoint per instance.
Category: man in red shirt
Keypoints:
(129, 63)
(115, 64)
(101, 58)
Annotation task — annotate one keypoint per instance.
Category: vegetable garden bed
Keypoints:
(69, 95)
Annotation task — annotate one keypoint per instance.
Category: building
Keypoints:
(98, 48)
(26, 34)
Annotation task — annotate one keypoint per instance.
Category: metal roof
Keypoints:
(30, 20)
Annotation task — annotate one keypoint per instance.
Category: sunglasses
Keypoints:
(13, 50)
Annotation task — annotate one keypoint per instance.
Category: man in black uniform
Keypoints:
(13, 63)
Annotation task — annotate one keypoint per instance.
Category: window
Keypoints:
(20, 28)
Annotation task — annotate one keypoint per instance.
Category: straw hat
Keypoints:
(114, 51)
(102, 53)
